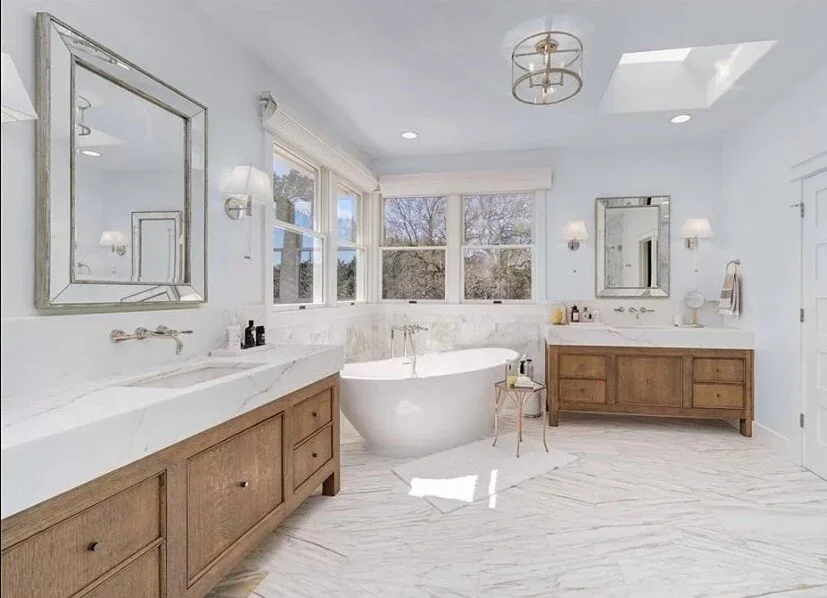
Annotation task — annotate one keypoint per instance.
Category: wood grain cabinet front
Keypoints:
(230, 488)
(701, 383)
(64, 559)
(139, 579)
(311, 415)
(311, 455)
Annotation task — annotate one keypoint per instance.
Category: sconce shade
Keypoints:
(15, 102)
(113, 238)
(250, 181)
(697, 228)
(575, 231)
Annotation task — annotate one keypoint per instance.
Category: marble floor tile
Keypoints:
(651, 508)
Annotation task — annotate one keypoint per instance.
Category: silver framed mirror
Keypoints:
(121, 181)
(632, 246)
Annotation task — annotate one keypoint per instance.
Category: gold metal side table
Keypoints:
(520, 395)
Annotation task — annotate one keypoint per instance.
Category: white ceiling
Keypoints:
(442, 67)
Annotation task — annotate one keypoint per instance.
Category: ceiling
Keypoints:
(376, 68)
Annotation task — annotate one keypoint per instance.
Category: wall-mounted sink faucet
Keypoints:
(141, 333)
(641, 310)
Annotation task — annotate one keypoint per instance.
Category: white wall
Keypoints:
(765, 232)
(690, 173)
(188, 51)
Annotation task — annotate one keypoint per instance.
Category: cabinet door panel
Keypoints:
(583, 391)
(311, 455)
(643, 380)
(230, 488)
(718, 396)
(583, 366)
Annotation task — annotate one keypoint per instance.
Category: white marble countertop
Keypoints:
(603, 335)
(54, 441)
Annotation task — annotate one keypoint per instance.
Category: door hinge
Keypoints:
(800, 420)
(801, 315)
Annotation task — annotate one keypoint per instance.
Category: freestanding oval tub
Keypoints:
(449, 402)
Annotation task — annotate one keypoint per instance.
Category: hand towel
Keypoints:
(730, 302)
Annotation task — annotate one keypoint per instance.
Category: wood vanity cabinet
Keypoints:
(176, 522)
(696, 383)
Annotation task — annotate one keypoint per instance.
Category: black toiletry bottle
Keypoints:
(575, 314)
(260, 340)
(250, 335)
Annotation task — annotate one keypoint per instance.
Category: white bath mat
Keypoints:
(452, 479)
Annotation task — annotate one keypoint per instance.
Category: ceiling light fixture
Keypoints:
(410, 135)
(680, 118)
(90, 153)
(547, 68)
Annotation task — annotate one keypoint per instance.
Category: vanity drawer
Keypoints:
(311, 455)
(718, 396)
(311, 415)
(68, 556)
(583, 391)
(582, 366)
(718, 370)
(141, 579)
(231, 487)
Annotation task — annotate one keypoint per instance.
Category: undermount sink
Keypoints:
(191, 377)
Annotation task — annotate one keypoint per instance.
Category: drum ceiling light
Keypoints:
(547, 68)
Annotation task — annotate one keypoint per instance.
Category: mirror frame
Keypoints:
(664, 235)
(132, 295)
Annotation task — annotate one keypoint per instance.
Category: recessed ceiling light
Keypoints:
(680, 118)
(91, 153)
(410, 135)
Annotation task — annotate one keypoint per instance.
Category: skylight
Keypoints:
(670, 55)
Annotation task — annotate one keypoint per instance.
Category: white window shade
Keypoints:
(485, 181)
(290, 132)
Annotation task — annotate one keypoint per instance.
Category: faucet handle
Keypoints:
(620, 309)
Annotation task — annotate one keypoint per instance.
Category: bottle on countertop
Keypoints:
(250, 335)
(260, 340)
(233, 334)
(529, 368)
(575, 314)
(586, 316)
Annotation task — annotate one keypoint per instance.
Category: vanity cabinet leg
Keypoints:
(330, 487)
(746, 428)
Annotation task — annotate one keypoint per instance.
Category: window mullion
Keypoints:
(453, 250)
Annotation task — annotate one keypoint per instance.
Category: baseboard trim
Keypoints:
(782, 445)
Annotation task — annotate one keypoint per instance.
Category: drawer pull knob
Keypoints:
(315, 414)
(93, 546)
(244, 484)
(315, 455)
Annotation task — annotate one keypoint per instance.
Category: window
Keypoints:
(413, 248)
(350, 251)
(298, 246)
(497, 246)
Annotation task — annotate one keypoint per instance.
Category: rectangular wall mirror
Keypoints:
(121, 159)
(632, 246)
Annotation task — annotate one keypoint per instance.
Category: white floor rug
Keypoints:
(452, 479)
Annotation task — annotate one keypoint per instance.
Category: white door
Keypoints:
(815, 323)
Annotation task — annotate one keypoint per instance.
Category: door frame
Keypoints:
(799, 173)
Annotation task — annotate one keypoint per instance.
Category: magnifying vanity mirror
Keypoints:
(121, 159)
(632, 246)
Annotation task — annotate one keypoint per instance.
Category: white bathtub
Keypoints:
(447, 404)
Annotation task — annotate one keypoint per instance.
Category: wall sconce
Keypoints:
(114, 239)
(694, 229)
(245, 185)
(15, 102)
(574, 233)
